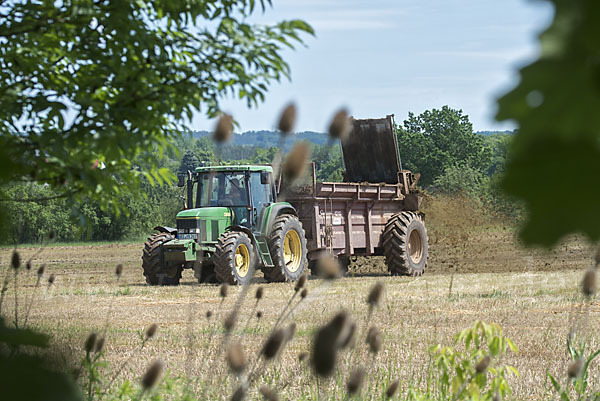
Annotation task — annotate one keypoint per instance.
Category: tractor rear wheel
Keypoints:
(234, 258)
(155, 272)
(405, 244)
(287, 245)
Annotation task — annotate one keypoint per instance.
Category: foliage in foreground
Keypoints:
(90, 88)
(554, 164)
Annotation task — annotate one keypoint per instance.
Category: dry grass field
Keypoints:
(531, 294)
(477, 271)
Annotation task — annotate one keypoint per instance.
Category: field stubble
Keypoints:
(480, 274)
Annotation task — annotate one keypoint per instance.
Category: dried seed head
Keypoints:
(236, 358)
(273, 344)
(287, 119)
(597, 257)
(303, 293)
(349, 336)
(239, 394)
(99, 345)
(300, 283)
(224, 128)
(294, 164)
(229, 321)
(16, 260)
(208, 314)
(223, 290)
(152, 374)
(375, 294)
(259, 293)
(325, 345)
(268, 394)
(302, 356)
(483, 364)
(259, 314)
(374, 340)
(41, 270)
(355, 380)
(151, 331)
(290, 331)
(328, 268)
(28, 265)
(392, 388)
(119, 270)
(340, 126)
(51, 279)
(588, 284)
(575, 368)
(90, 342)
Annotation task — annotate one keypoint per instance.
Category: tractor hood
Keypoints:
(204, 225)
(208, 213)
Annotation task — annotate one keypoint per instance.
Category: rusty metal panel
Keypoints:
(371, 152)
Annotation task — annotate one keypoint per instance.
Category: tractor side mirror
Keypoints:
(181, 180)
(265, 177)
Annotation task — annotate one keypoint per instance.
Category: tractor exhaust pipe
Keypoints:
(190, 191)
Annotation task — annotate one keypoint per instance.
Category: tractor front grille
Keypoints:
(184, 226)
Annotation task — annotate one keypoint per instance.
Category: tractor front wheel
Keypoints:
(287, 245)
(234, 258)
(152, 262)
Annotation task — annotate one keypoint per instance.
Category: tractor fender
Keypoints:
(272, 212)
(168, 230)
(250, 235)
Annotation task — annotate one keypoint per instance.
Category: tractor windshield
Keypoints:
(222, 189)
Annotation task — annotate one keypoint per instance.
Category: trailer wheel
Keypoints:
(234, 258)
(287, 245)
(405, 244)
(155, 272)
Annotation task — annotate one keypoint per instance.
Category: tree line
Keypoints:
(439, 144)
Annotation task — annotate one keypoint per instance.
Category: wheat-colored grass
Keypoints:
(531, 294)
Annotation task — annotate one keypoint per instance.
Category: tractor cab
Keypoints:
(239, 193)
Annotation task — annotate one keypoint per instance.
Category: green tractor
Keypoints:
(231, 225)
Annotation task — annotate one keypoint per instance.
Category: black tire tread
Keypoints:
(277, 273)
(224, 255)
(394, 239)
(151, 261)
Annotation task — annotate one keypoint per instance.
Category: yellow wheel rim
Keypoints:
(242, 260)
(415, 246)
(292, 250)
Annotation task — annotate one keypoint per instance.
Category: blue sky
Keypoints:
(394, 56)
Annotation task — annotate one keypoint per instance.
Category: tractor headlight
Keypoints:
(193, 230)
(182, 230)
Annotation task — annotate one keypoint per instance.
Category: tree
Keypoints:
(90, 89)
(188, 162)
(437, 139)
(554, 164)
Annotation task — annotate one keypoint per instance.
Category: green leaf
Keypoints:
(555, 157)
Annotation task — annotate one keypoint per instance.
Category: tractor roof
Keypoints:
(238, 167)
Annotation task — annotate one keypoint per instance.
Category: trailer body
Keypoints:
(348, 218)
(374, 211)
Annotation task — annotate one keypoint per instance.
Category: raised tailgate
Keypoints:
(371, 151)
